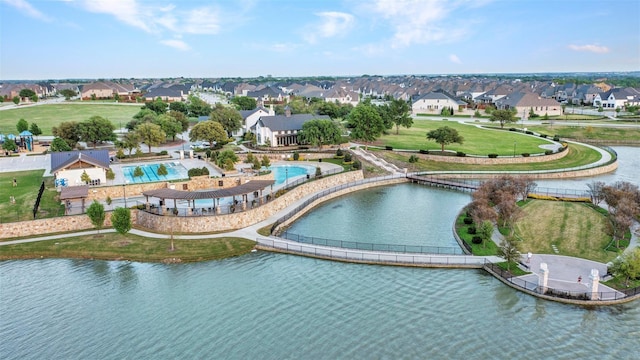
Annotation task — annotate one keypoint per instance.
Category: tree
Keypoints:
(9, 145)
(445, 136)
(150, 134)
(256, 164)
(230, 118)
(485, 231)
(400, 114)
(211, 131)
(34, 98)
(265, 161)
(68, 131)
(627, 266)
(58, 144)
(197, 107)
(509, 251)
(181, 118)
(162, 170)
(169, 125)
(22, 125)
(110, 175)
(85, 177)
(96, 129)
(226, 159)
(319, 132)
(121, 220)
(137, 172)
(503, 116)
(35, 129)
(244, 102)
(131, 140)
(96, 214)
(68, 93)
(16, 100)
(180, 107)
(26, 93)
(365, 123)
(157, 106)
(595, 191)
(330, 109)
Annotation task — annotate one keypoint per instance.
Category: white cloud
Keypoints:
(455, 59)
(331, 24)
(177, 44)
(127, 11)
(590, 48)
(201, 21)
(27, 9)
(422, 21)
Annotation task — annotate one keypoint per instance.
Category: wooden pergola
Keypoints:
(255, 186)
(71, 193)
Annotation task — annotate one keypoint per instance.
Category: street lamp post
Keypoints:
(124, 192)
(286, 173)
(514, 149)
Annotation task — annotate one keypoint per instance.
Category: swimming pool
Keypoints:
(175, 171)
(282, 172)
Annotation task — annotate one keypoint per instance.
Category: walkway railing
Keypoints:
(564, 294)
(326, 192)
(417, 249)
(372, 256)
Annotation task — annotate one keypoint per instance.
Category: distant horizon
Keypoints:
(635, 73)
(100, 39)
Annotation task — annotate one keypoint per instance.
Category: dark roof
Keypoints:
(163, 92)
(62, 159)
(74, 192)
(292, 122)
(246, 188)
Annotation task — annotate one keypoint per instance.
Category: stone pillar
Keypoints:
(543, 278)
(190, 154)
(244, 205)
(595, 281)
(181, 154)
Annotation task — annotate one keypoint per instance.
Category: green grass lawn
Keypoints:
(570, 116)
(50, 115)
(113, 246)
(578, 155)
(487, 248)
(588, 132)
(25, 195)
(576, 229)
(476, 140)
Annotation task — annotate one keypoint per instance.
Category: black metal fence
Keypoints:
(564, 294)
(416, 249)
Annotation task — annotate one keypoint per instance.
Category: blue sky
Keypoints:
(57, 39)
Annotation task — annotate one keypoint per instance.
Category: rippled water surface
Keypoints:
(275, 306)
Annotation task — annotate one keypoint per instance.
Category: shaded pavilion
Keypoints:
(74, 193)
(255, 186)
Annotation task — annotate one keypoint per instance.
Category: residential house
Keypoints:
(250, 118)
(170, 93)
(268, 95)
(434, 101)
(281, 130)
(106, 90)
(617, 98)
(523, 102)
(68, 166)
(584, 94)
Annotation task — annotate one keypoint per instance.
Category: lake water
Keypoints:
(274, 306)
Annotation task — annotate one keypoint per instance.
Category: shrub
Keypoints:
(318, 171)
(528, 132)
(543, 136)
(423, 151)
(513, 129)
(471, 230)
(468, 220)
(525, 154)
(205, 170)
(388, 148)
(348, 157)
(339, 152)
(493, 156)
(198, 171)
(460, 154)
(163, 152)
(476, 240)
(556, 138)
(548, 152)
(296, 156)
(357, 164)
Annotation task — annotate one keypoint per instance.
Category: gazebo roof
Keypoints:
(26, 133)
(246, 188)
(74, 192)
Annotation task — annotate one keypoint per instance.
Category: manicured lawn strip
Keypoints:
(113, 246)
(588, 132)
(576, 229)
(489, 248)
(26, 194)
(570, 116)
(513, 268)
(477, 141)
(620, 283)
(578, 155)
(50, 115)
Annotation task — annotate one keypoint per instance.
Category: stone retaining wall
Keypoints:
(50, 225)
(491, 161)
(227, 222)
(550, 175)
